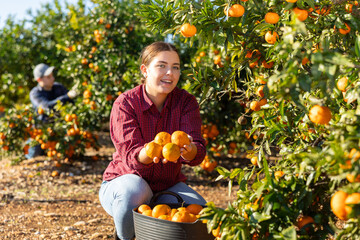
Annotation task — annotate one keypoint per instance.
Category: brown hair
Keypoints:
(150, 51)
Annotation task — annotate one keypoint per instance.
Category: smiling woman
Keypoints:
(137, 116)
(162, 76)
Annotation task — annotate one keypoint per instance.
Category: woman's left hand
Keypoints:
(188, 152)
(186, 149)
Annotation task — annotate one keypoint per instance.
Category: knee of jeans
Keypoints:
(136, 190)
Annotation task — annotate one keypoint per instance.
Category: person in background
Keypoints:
(156, 105)
(46, 95)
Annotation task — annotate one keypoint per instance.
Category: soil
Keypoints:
(36, 205)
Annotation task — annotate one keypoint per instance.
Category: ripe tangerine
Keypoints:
(320, 114)
(301, 14)
(303, 221)
(272, 17)
(143, 207)
(187, 30)
(270, 37)
(235, 10)
(194, 208)
(180, 138)
(353, 198)
(342, 84)
(153, 150)
(171, 152)
(162, 138)
(337, 204)
(160, 209)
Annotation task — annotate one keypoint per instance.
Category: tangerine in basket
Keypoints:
(162, 138)
(172, 212)
(194, 208)
(193, 217)
(143, 207)
(182, 216)
(171, 152)
(180, 138)
(182, 209)
(165, 217)
(147, 213)
(153, 149)
(160, 209)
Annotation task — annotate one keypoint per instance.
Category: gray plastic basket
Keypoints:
(149, 228)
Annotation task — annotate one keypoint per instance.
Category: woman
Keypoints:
(137, 116)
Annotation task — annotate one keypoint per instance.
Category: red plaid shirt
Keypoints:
(135, 120)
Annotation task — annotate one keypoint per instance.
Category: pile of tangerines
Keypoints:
(167, 146)
(165, 212)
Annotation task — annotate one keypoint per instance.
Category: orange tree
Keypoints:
(96, 52)
(294, 68)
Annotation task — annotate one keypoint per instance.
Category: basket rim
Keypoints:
(134, 210)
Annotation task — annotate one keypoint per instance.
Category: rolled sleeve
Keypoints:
(126, 135)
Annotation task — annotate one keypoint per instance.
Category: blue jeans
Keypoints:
(34, 151)
(119, 196)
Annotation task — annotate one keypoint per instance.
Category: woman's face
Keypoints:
(163, 73)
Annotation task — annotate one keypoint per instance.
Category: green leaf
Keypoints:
(267, 147)
(266, 168)
(289, 233)
(357, 46)
(223, 171)
(234, 85)
(305, 82)
(260, 217)
(235, 172)
(309, 2)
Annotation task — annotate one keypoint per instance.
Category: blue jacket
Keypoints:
(48, 99)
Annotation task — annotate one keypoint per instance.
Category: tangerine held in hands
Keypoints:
(171, 152)
(153, 150)
(162, 138)
(180, 138)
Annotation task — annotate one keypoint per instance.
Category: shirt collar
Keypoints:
(148, 103)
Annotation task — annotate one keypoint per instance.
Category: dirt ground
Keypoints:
(36, 205)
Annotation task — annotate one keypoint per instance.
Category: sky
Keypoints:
(18, 8)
